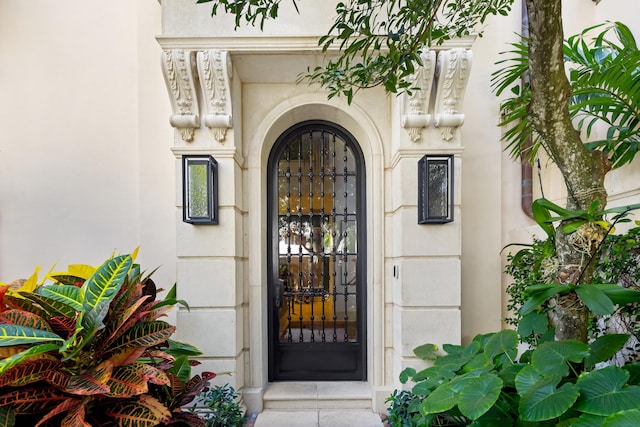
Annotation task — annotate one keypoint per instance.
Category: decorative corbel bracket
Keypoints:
(214, 69)
(452, 73)
(179, 77)
(415, 115)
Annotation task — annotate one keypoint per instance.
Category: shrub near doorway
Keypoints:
(88, 350)
(484, 384)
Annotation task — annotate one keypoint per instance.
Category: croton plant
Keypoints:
(85, 348)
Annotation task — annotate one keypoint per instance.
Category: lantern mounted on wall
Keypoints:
(199, 189)
(435, 189)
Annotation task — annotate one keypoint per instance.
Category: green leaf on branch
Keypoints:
(177, 348)
(634, 373)
(618, 294)
(406, 374)
(605, 347)
(537, 298)
(595, 299)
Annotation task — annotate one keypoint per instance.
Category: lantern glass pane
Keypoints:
(197, 181)
(438, 181)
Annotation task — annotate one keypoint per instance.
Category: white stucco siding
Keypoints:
(78, 142)
(188, 19)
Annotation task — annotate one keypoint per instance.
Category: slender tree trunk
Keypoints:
(583, 170)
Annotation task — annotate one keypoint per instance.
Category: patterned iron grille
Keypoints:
(317, 239)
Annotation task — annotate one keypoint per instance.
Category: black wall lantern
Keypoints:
(435, 189)
(199, 189)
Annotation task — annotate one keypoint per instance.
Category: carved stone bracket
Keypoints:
(415, 107)
(179, 77)
(452, 73)
(214, 69)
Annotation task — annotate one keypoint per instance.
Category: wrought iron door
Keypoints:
(316, 293)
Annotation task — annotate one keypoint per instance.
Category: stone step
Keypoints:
(320, 418)
(300, 396)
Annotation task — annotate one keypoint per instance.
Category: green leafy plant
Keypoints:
(404, 409)
(379, 41)
(485, 383)
(222, 407)
(605, 87)
(535, 267)
(88, 349)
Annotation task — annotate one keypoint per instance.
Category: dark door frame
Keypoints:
(288, 361)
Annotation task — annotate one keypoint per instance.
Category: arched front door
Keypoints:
(316, 265)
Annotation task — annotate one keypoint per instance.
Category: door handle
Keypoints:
(279, 293)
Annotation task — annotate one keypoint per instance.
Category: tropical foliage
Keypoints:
(612, 297)
(86, 348)
(485, 383)
(221, 407)
(605, 81)
(379, 40)
(554, 382)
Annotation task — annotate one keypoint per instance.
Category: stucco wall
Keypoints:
(85, 164)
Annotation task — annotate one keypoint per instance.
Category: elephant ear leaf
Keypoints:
(552, 358)
(604, 392)
(100, 289)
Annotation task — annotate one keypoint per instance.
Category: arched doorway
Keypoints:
(316, 255)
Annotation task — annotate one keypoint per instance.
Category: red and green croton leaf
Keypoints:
(146, 411)
(130, 380)
(75, 417)
(30, 400)
(127, 357)
(11, 335)
(195, 386)
(20, 303)
(100, 289)
(52, 306)
(97, 293)
(92, 381)
(24, 318)
(124, 321)
(32, 352)
(143, 335)
(71, 406)
(28, 372)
